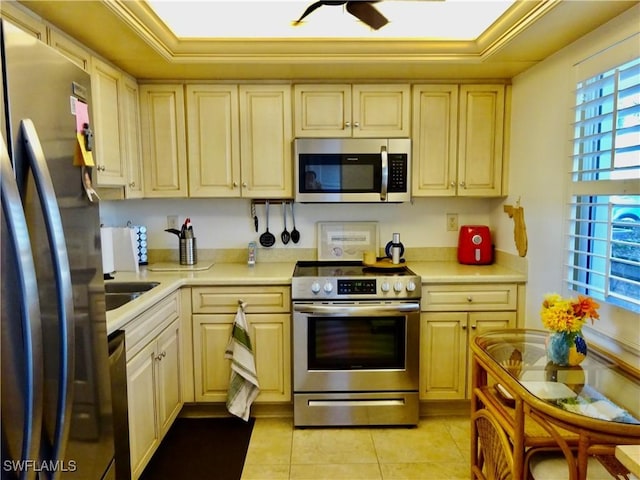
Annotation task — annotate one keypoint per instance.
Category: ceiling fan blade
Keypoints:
(314, 6)
(367, 13)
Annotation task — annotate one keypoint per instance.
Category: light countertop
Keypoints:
(280, 273)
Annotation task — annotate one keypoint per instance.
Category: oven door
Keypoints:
(356, 346)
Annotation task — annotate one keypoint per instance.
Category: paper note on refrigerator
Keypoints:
(81, 157)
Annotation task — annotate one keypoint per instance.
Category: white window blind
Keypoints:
(604, 227)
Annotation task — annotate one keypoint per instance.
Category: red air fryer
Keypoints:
(474, 245)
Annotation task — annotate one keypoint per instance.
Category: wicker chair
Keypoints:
(495, 456)
(495, 451)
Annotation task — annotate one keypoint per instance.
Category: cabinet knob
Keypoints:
(452, 183)
(463, 185)
(469, 299)
(244, 184)
(132, 185)
(235, 184)
(464, 327)
(347, 124)
(473, 327)
(356, 124)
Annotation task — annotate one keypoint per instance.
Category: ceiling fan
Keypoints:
(362, 10)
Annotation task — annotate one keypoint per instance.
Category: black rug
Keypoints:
(202, 448)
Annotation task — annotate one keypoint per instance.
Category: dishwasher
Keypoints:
(118, 371)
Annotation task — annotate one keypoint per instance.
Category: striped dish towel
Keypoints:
(243, 384)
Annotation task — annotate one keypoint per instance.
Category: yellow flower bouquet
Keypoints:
(564, 317)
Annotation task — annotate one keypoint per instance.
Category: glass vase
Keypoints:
(566, 348)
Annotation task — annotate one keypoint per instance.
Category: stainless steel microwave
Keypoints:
(363, 170)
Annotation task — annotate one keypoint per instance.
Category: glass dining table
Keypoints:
(579, 411)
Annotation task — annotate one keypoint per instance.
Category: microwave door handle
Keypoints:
(384, 183)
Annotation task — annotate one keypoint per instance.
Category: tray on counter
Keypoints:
(176, 267)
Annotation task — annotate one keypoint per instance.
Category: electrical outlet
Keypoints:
(452, 222)
(172, 221)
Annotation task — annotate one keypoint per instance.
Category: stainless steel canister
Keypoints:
(188, 251)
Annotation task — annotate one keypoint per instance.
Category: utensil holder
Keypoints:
(188, 251)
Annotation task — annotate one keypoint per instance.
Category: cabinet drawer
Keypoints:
(438, 298)
(267, 299)
(147, 326)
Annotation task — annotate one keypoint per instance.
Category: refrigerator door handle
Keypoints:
(31, 326)
(62, 274)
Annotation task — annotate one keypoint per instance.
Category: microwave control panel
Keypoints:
(397, 172)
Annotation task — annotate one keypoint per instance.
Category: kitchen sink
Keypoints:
(118, 294)
(129, 287)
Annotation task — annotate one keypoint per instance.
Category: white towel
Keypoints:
(243, 384)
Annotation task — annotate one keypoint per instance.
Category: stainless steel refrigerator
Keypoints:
(56, 396)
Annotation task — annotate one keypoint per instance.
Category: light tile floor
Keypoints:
(438, 448)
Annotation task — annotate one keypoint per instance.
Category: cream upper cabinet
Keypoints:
(435, 133)
(70, 49)
(20, 16)
(132, 150)
(107, 91)
(213, 141)
(163, 135)
(266, 167)
(480, 141)
(342, 110)
(458, 140)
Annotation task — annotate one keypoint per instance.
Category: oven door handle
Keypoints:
(358, 309)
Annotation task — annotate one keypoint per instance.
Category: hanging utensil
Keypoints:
(284, 236)
(253, 214)
(267, 239)
(295, 234)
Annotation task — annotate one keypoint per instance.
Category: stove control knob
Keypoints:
(328, 288)
(397, 287)
(385, 287)
(315, 287)
(411, 286)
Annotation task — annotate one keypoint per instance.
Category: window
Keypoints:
(604, 225)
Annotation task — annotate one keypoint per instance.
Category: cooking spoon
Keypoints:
(267, 239)
(295, 234)
(284, 236)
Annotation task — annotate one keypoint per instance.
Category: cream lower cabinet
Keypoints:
(452, 315)
(459, 140)
(343, 110)
(154, 379)
(268, 314)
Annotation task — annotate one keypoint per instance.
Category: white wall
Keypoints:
(227, 223)
(540, 148)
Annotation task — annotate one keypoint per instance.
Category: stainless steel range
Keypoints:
(356, 335)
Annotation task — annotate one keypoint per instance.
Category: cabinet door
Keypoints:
(211, 370)
(106, 86)
(131, 138)
(322, 110)
(482, 322)
(435, 134)
(480, 148)
(214, 144)
(141, 392)
(265, 136)
(22, 17)
(164, 149)
(169, 376)
(271, 349)
(443, 359)
(381, 111)
(70, 49)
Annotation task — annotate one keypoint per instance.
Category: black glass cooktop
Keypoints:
(345, 269)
